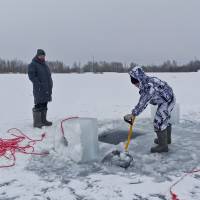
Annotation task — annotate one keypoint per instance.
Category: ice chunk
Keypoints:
(82, 137)
(89, 139)
(175, 115)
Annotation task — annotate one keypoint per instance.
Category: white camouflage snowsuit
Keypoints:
(155, 92)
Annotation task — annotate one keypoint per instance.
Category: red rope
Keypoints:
(174, 196)
(64, 120)
(9, 147)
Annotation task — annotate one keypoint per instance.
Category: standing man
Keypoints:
(40, 75)
(156, 92)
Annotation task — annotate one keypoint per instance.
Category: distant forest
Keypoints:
(17, 66)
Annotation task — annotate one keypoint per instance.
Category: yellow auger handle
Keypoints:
(129, 134)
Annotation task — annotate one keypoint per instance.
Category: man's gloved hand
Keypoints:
(129, 118)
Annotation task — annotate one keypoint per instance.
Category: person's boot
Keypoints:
(37, 118)
(162, 142)
(44, 119)
(169, 138)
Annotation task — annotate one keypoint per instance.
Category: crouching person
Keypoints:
(40, 76)
(156, 92)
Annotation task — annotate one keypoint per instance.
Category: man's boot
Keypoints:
(44, 119)
(162, 142)
(37, 118)
(169, 131)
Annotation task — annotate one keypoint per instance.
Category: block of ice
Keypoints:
(175, 115)
(82, 136)
(89, 139)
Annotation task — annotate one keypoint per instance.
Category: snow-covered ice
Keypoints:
(107, 97)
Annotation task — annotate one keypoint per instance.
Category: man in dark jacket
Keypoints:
(40, 76)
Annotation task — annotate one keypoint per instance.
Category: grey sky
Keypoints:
(144, 31)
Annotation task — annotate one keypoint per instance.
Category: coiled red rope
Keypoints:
(174, 196)
(9, 147)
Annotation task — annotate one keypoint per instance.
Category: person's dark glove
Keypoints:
(129, 118)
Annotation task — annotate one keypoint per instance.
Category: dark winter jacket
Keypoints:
(152, 90)
(40, 76)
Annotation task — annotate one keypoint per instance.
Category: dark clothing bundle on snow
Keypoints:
(40, 75)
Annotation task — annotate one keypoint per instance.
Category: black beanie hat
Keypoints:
(41, 52)
(134, 80)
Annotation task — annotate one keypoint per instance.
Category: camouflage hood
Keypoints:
(138, 73)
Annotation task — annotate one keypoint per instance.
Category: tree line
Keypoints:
(17, 66)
